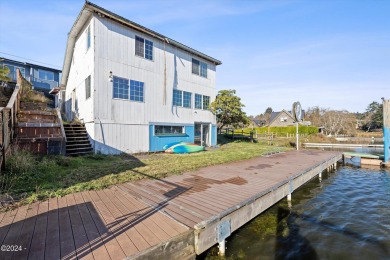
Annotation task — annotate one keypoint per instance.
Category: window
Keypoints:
(88, 35)
(203, 70)
(121, 88)
(199, 68)
(168, 130)
(198, 101)
(46, 75)
(187, 96)
(177, 98)
(133, 92)
(195, 66)
(143, 48)
(136, 91)
(88, 87)
(12, 71)
(206, 102)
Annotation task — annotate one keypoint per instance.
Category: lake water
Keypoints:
(345, 216)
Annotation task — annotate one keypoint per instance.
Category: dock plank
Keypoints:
(38, 243)
(14, 231)
(67, 245)
(96, 243)
(114, 241)
(27, 232)
(78, 230)
(53, 248)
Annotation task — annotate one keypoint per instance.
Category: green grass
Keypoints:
(35, 178)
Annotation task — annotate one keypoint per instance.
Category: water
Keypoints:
(346, 216)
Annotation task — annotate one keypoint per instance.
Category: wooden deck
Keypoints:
(130, 219)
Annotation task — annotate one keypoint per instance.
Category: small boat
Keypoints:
(184, 147)
(171, 144)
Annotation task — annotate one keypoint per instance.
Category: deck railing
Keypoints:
(8, 119)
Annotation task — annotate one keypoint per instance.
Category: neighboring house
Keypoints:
(135, 89)
(257, 123)
(42, 78)
(283, 118)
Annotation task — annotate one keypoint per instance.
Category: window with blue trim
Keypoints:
(198, 101)
(177, 98)
(206, 102)
(187, 96)
(203, 70)
(46, 75)
(121, 88)
(148, 50)
(168, 130)
(136, 91)
(143, 48)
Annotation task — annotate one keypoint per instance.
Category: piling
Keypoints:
(386, 130)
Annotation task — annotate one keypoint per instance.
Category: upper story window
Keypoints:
(187, 96)
(88, 87)
(128, 89)
(199, 68)
(46, 75)
(202, 102)
(206, 102)
(136, 91)
(198, 101)
(182, 98)
(88, 35)
(177, 98)
(143, 48)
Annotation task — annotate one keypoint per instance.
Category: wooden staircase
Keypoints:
(39, 130)
(77, 141)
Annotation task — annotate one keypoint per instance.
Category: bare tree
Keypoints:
(334, 122)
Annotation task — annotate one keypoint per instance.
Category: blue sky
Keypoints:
(334, 54)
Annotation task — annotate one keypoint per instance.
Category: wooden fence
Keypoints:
(8, 119)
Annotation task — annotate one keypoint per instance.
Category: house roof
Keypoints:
(90, 8)
(274, 115)
(29, 64)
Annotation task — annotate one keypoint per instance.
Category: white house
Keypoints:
(135, 89)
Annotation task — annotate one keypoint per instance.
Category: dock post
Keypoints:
(289, 197)
(222, 247)
(320, 176)
(386, 130)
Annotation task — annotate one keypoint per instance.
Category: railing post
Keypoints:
(386, 130)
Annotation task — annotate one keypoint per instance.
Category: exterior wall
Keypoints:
(277, 121)
(82, 66)
(126, 137)
(156, 143)
(31, 74)
(115, 51)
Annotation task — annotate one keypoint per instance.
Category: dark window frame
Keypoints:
(143, 48)
(169, 130)
(88, 87)
(199, 68)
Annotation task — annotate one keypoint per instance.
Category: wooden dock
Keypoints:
(176, 217)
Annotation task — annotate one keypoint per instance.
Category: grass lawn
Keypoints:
(34, 178)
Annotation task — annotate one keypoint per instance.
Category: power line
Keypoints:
(30, 59)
